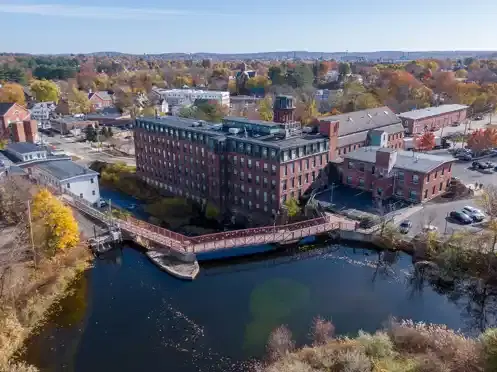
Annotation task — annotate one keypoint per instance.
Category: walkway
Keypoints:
(262, 235)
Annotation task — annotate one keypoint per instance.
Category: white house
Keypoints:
(42, 112)
(179, 97)
(26, 151)
(67, 175)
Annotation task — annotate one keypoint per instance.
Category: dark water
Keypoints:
(127, 315)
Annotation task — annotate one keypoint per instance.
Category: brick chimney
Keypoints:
(30, 130)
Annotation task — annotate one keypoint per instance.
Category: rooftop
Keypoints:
(4, 107)
(222, 131)
(24, 147)
(65, 169)
(365, 120)
(407, 160)
(431, 111)
(190, 91)
(103, 94)
(350, 139)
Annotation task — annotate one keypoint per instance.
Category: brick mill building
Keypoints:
(247, 167)
(378, 127)
(433, 118)
(387, 172)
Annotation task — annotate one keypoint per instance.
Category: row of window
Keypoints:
(299, 181)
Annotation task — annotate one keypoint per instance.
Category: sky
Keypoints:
(227, 26)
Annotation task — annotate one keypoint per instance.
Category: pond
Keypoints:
(127, 315)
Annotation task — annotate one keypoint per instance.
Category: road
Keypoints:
(85, 152)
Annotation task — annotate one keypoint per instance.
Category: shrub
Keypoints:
(322, 331)
(352, 361)
(280, 342)
(489, 343)
(376, 346)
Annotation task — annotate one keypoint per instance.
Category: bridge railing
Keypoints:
(180, 238)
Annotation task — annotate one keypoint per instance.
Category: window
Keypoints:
(68, 185)
(350, 165)
(361, 167)
(426, 193)
(440, 187)
(361, 182)
(265, 167)
(379, 191)
(400, 176)
(349, 180)
(92, 180)
(428, 178)
(413, 194)
(80, 195)
(273, 170)
(415, 179)
(93, 192)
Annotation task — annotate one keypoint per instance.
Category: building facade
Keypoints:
(433, 118)
(181, 97)
(246, 167)
(100, 100)
(15, 123)
(67, 175)
(367, 128)
(42, 112)
(388, 172)
(24, 152)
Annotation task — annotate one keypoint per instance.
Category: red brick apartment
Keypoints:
(387, 172)
(373, 127)
(247, 167)
(433, 118)
(100, 100)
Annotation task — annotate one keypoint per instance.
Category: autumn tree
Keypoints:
(265, 109)
(482, 139)
(79, 102)
(307, 110)
(461, 74)
(12, 92)
(56, 222)
(426, 141)
(45, 91)
(181, 80)
(344, 68)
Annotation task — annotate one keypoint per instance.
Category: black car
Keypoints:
(405, 226)
(461, 217)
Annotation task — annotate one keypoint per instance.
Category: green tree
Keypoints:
(265, 109)
(45, 91)
(60, 229)
(78, 102)
(461, 73)
(149, 111)
(344, 68)
(91, 133)
(292, 207)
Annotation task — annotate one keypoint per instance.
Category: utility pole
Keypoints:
(31, 234)
(331, 194)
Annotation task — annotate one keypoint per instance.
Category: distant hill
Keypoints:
(353, 56)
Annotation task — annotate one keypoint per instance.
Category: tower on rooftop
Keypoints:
(284, 109)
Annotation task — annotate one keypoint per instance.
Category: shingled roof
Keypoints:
(4, 107)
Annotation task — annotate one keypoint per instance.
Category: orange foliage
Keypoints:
(482, 139)
(426, 141)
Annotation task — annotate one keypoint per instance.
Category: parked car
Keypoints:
(101, 203)
(479, 117)
(461, 217)
(474, 213)
(430, 228)
(405, 226)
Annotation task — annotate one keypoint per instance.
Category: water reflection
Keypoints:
(127, 315)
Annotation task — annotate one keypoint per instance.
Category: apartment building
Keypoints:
(387, 172)
(247, 167)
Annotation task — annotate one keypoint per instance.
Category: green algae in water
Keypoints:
(271, 303)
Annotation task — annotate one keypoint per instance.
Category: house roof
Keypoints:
(431, 111)
(103, 94)
(4, 107)
(406, 160)
(365, 120)
(65, 169)
(362, 136)
(24, 147)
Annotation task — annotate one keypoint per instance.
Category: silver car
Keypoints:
(475, 214)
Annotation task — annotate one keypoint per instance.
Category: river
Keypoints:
(127, 315)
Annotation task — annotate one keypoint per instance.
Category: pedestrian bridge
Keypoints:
(281, 234)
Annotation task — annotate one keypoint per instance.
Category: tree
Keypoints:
(57, 221)
(212, 112)
(12, 92)
(187, 112)
(149, 111)
(308, 110)
(366, 101)
(91, 133)
(344, 68)
(181, 80)
(265, 109)
(45, 91)
(461, 74)
(79, 102)
(426, 141)
(292, 207)
(481, 140)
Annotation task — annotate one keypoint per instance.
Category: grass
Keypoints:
(41, 289)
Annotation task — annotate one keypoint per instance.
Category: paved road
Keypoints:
(436, 214)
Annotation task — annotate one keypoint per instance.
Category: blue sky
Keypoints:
(155, 26)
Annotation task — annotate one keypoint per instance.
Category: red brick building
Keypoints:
(433, 118)
(247, 167)
(16, 124)
(388, 172)
(100, 100)
(372, 127)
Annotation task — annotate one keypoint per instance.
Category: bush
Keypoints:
(489, 343)
(280, 342)
(352, 361)
(322, 331)
(376, 346)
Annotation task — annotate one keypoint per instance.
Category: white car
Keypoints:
(475, 214)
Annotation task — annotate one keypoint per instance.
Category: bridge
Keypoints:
(231, 239)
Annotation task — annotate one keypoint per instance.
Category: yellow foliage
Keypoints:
(12, 92)
(59, 225)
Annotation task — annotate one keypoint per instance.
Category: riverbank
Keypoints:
(36, 290)
(400, 347)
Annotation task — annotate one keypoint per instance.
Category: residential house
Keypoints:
(16, 123)
(100, 100)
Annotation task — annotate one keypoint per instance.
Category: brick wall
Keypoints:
(435, 122)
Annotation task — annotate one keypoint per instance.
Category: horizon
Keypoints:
(225, 27)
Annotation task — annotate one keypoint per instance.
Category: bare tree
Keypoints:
(322, 331)
(280, 342)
